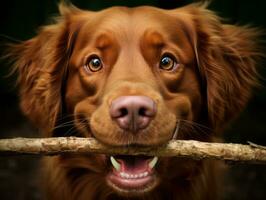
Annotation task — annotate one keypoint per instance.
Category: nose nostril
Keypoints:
(123, 112)
(142, 112)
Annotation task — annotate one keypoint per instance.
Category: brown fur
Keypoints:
(210, 87)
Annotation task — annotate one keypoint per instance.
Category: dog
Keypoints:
(135, 77)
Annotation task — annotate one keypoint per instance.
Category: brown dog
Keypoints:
(133, 76)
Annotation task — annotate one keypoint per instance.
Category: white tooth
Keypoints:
(131, 176)
(122, 174)
(141, 175)
(127, 175)
(116, 165)
(136, 176)
(145, 174)
(153, 162)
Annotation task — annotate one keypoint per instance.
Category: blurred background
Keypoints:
(20, 20)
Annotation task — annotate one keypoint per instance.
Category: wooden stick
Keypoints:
(179, 148)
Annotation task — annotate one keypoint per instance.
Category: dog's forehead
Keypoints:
(126, 24)
(137, 19)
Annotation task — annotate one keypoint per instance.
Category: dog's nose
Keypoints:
(133, 113)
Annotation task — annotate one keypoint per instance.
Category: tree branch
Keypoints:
(179, 148)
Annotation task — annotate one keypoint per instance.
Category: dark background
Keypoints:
(20, 20)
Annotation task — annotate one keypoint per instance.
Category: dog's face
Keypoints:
(124, 58)
(135, 77)
(132, 77)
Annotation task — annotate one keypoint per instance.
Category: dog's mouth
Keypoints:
(132, 174)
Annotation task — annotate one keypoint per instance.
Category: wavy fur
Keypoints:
(223, 59)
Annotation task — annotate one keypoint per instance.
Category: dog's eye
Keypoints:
(94, 64)
(168, 63)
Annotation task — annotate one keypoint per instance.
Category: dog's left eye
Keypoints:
(94, 64)
(168, 63)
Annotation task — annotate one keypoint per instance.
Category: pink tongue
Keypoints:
(134, 164)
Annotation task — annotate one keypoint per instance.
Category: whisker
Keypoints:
(65, 124)
(70, 125)
(195, 129)
(195, 123)
(70, 131)
(67, 116)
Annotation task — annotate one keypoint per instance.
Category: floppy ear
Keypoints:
(226, 56)
(41, 64)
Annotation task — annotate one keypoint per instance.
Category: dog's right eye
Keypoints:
(168, 63)
(93, 64)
